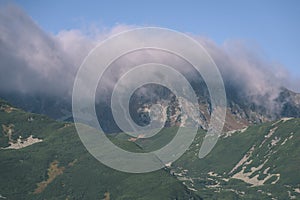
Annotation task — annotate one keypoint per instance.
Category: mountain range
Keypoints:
(44, 159)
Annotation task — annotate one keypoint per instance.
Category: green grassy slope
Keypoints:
(261, 162)
(75, 173)
(271, 165)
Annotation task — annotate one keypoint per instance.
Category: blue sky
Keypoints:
(272, 25)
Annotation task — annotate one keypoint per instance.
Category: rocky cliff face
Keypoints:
(242, 110)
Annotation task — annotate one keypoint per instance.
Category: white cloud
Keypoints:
(33, 60)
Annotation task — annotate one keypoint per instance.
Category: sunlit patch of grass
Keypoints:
(53, 172)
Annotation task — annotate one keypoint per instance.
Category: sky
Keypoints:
(255, 45)
(273, 27)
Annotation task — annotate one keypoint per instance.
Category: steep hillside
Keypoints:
(44, 159)
(259, 160)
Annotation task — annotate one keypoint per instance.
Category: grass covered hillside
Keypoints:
(44, 159)
(260, 162)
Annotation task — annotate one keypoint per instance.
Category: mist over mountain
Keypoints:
(45, 159)
(39, 70)
(166, 131)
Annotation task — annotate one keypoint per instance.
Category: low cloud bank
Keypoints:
(34, 61)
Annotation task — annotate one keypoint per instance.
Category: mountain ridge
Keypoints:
(244, 163)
